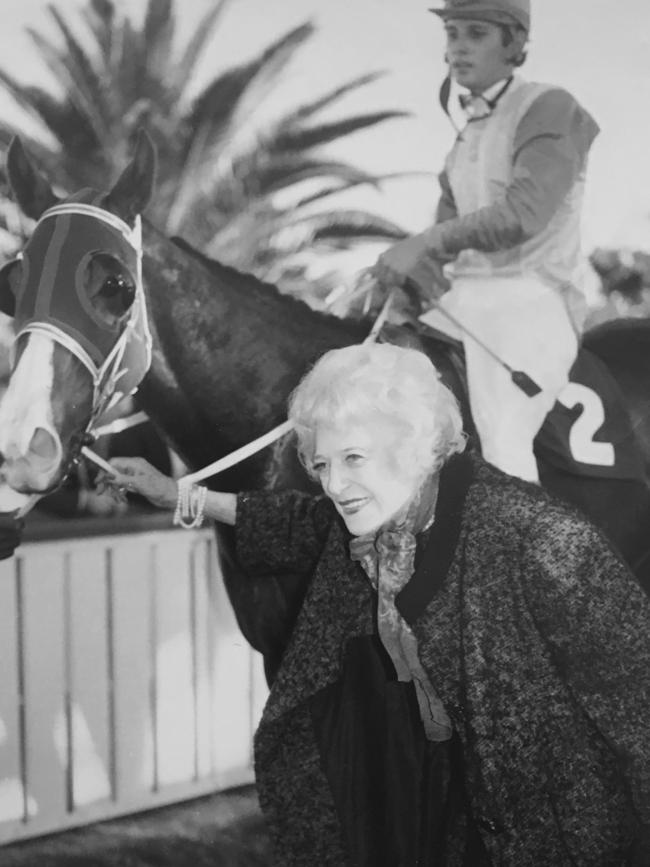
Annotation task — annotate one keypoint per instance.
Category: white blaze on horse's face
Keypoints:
(29, 442)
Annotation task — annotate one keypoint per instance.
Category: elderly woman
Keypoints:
(468, 681)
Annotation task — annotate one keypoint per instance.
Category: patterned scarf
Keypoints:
(388, 558)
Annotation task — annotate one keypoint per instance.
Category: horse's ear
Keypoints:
(134, 188)
(32, 191)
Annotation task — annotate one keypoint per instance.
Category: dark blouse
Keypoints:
(400, 798)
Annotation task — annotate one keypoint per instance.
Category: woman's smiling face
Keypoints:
(356, 466)
(476, 53)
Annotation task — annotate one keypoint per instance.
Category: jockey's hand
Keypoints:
(410, 264)
(11, 534)
(139, 477)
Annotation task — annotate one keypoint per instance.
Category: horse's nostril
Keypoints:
(43, 445)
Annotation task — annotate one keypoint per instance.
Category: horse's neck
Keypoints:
(228, 350)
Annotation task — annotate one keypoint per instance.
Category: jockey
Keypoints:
(507, 226)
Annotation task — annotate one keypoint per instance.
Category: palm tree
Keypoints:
(258, 198)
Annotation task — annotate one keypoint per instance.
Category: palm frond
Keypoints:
(346, 227)
(89, 87)
(282, 172)
(256, 175)
(62, 120)
(232, 98)
(260, 234)
(341, 227)
(74, 90)
(215, 106)
(240, 239)
(214, 113)
(332, 96)
(344, 186)
(328, 191)
(184, 69)
(268, 67)
(259, 198)
(158, 27)
(190, 174)
(38, 151)
(157, 37)
(128, 60)
(99, 17)
(25, 96)
(302, 138)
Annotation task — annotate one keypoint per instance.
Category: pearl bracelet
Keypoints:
(190, 505)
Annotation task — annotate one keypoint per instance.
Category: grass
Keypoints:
(221, 830)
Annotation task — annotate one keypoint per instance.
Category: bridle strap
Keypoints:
(63, 339)
(133, 236)
(107, 374)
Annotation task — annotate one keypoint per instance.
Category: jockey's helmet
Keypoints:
(495, 11)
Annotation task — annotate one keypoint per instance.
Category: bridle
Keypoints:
(127, 362)
(116, 369)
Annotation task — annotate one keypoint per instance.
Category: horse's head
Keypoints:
(76, 296)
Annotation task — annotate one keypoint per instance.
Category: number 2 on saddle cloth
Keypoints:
(589, 431)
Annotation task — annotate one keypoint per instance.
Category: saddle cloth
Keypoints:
(589, 430)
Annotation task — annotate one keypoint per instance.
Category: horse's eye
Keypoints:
(118, 288)
(109, 287)
(112, 285)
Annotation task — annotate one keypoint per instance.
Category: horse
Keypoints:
(224, 351)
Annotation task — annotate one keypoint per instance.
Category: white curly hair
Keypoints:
(380, 384)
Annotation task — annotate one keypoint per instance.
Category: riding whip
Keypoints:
(519, 377)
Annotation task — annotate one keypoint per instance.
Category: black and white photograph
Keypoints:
(325, 433)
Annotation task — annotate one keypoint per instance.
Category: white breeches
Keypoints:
(527, 325)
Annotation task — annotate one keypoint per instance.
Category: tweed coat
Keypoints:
(535, 636)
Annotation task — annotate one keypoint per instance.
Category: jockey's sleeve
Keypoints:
(550, 151)
(446, 209)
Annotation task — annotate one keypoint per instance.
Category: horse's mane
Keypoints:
(251, 284)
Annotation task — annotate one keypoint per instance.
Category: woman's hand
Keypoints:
(105, 504)
(139, 477)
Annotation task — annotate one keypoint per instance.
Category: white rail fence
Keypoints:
(125, 683)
